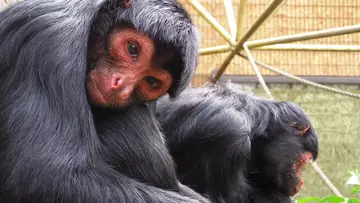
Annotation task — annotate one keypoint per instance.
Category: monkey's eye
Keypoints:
(132, 49)
(153, 82)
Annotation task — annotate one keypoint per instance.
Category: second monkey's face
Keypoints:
(128, 73)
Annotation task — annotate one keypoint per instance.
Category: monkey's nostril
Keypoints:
(116, 83)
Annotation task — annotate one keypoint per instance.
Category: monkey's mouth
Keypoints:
(301, 161)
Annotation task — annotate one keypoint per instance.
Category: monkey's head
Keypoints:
(140, 53)
(279, 156)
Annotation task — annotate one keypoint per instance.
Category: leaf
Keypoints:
(308, 199)
(355, 190)
(332, 199)
(351, 200)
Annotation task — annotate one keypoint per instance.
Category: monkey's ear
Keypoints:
(126, 3)
(303, 131)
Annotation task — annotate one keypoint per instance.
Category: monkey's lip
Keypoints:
(302, 160)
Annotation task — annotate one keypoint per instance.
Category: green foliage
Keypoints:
(353, 180)
(355, 190)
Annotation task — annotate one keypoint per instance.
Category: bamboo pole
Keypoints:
(240, 19)
(215, 50)
(310, 47)
(231, 17)
(267, 13)
(211, 20)
(305, 36)
(257, 72)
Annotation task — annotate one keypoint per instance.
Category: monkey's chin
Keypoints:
(97, 99)
(118, 105)
(301, 161)
(111, 106)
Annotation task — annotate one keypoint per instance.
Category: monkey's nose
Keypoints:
(122, 86)
(116, 83)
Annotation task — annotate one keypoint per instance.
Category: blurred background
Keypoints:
(336, 117)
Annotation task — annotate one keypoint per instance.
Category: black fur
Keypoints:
(53, 147)
(234, 147)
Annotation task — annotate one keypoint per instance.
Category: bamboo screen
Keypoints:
(292, 18)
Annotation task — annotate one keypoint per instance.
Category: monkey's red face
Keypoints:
(128, 73)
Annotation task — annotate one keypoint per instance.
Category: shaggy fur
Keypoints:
(234, 147)
(54, 148)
